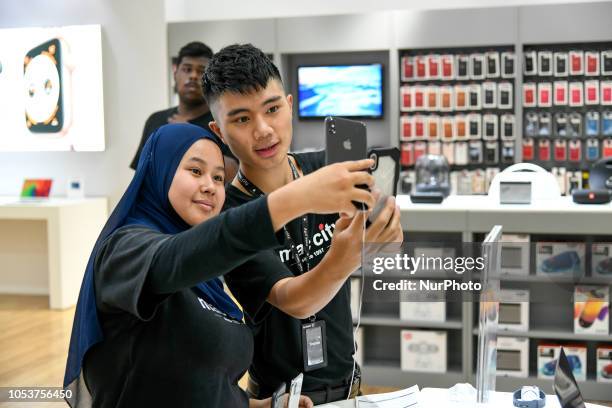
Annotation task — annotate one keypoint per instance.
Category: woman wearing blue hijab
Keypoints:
(153, 325)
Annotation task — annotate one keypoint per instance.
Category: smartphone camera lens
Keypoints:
(374, 157)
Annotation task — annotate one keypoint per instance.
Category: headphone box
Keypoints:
(423, 351)
(604, 363)
(591, 309)
(549, 353)
(515, 254)
(513, 310)
(513, 357)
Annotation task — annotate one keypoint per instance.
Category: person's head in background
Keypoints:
(252, 113)
(191, 63)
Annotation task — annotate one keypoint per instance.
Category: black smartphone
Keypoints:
(386, 171)
(345, 140)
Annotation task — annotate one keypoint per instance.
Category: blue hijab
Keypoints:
(146, 203)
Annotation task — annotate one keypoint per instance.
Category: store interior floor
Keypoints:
(34, 342)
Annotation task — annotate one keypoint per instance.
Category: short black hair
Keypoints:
(194, 49)
(239, 68)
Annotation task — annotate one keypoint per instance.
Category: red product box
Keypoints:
(432, 98)
(560, 92)
(607, 148)
(544, 94)
(560, 150)
(448, 66)
(406, 128)
(576, 62)
(576, 93)
(433, 127)
(406, 98)
(420, 65)
(529, 95)
(407, 68)
(544, 150)
(433, 66)
(591, 92)
(447, 128)
(418, 98)
(460, 127)
(407, 154)
(419, 127)
(575, 150)
(528, 151)
(606, 93)
(591, 67)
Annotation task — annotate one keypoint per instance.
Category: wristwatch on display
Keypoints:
(529, 397)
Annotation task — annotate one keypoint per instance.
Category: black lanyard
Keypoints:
(255, 191)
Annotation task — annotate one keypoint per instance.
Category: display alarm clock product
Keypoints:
(591, 309)
(513, 357)
(604, 363)
(504, 93)
(515, 249)
(491, 153)
(591, 65)
(490, 127)
(576, 66)
(601, 261)
(508, 64)
(423, 351)
(513, 309)
(591, 92)
(560, 258)
(561, 64)
(544, 94)
(492, 58)
(560, 89)
(528, 149)
(407, 68)
(531, 63)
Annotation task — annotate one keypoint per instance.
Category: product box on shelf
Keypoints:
(560, 258)
(515, 250)
(513, 357)
(601, 259)
(423, 310)
(548, 353)
(423, 351)
(604, 363)
(591, 309)
(514, 310)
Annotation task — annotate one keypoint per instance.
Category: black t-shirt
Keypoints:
(278, 343)
(164, 345)
(159, 119)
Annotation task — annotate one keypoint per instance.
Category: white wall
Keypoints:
(208, 10)
(134, 56)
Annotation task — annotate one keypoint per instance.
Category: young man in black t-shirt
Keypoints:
(189, 68)
(253, 115)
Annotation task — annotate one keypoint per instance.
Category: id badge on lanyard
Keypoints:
(314, 345)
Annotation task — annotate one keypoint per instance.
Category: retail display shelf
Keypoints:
(396, 322)
(382, 372)
(556, 334)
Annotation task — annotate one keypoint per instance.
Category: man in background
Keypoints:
(188, 70)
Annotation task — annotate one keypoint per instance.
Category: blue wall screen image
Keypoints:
(342, 90)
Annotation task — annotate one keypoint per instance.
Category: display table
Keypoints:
(72, 227)
(439, 398)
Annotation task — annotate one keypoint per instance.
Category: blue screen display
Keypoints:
(340, 90)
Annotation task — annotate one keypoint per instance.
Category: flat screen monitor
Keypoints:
(350, 91)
